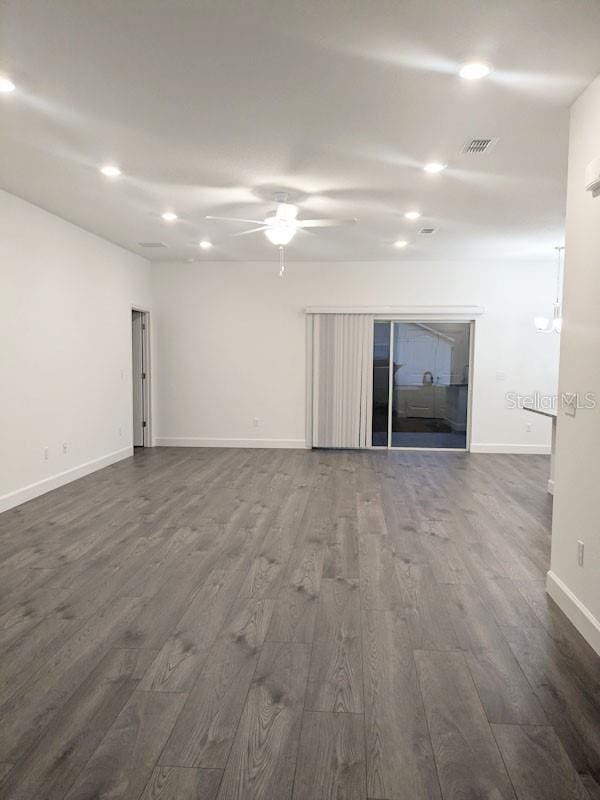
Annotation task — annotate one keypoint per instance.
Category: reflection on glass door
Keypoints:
(429, 385)
(381, 383)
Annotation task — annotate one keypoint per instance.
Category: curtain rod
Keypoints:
(409, 311)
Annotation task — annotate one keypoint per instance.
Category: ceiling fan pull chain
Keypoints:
(281, 262)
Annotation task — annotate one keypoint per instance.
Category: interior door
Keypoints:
(137, 371)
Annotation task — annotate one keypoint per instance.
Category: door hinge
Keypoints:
(144, 424)
(143, 327)
(143, 376)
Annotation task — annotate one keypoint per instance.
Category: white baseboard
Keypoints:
(193, 441)
(19, 496)
(523, 449)
(581, 617)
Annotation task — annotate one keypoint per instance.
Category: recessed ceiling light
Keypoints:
(110, 171)
(205, 244)
(474, 70)
(169, 216)
(6, 85)
(412, 214)
(400, 243)
(434, 166)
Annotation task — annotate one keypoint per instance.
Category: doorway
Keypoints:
(421, 381)
(140, 378)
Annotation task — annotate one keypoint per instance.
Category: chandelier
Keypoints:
(554, 325)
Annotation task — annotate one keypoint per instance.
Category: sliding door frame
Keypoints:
(420, 319)
(465, 314)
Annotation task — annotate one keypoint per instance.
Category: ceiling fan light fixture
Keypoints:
(281, 226)
(412, 214)
(205, 244)
(279, 231)
(286, 211)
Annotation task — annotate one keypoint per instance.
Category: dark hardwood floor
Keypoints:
(292, 625)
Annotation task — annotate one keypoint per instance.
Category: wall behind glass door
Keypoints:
(429, 365)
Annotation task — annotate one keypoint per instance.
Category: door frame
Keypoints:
(148, 440)
(419, 319)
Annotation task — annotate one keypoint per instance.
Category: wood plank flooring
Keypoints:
(197, 624)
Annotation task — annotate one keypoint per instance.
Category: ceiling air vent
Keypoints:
(427, 231)
(152, 244)
(479, 145)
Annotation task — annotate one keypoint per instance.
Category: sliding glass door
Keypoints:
(421, 384)
(381, 383)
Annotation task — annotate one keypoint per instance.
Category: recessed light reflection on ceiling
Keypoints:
(474, 71)
(434, 167)
(412, 214)
(400, 243)
(205, 244)
(6, 85)
(110, 171)
(169, 216)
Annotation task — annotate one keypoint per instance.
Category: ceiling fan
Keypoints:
(281, 226)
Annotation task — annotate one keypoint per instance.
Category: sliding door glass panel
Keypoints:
(381, 383)
(430, 384)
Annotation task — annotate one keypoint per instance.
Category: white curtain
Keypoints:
(342, 380)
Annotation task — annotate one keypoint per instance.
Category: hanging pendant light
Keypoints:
(554, 325)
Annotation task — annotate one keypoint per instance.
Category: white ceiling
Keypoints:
(209, 107)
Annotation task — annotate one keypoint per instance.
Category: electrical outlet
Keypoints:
(46, 454)
(580, 548)
(256, 422)
(65, 447)
(501, 376)
(528, 427)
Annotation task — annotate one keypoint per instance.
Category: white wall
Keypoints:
(65, 344)
(577, 468)
(231, 342)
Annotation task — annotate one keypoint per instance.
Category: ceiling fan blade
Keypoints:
(252, 230)
(323, 223)
(237, 219)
